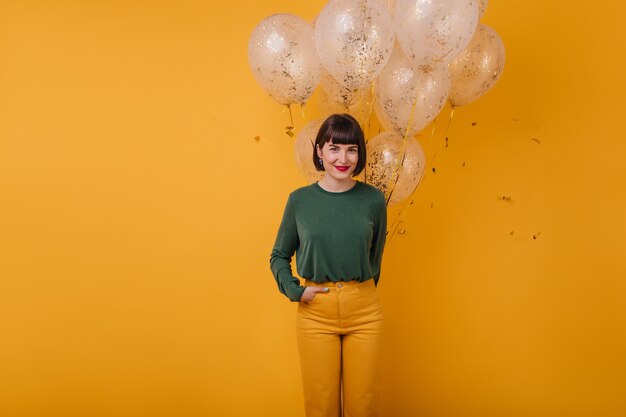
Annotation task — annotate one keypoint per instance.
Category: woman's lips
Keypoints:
(342, 169)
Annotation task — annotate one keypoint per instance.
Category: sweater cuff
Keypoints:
(295, 293)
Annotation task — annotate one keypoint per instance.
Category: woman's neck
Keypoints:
(329, 183)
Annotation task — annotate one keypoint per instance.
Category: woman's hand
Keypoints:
(310, 292)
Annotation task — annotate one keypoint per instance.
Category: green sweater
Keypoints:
(335, 236)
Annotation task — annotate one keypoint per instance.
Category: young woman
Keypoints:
(336, 227)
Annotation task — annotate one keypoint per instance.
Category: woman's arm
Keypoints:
(378, 240)
(287, 242)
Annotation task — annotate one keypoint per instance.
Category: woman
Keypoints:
(336, 227)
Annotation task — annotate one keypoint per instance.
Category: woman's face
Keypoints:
(339, 160)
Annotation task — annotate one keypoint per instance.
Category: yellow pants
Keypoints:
(339, 338)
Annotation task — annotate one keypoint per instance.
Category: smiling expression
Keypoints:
(339, 160)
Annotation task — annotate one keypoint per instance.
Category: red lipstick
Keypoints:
(342, 169)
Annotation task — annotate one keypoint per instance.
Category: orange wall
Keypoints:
(137, 212)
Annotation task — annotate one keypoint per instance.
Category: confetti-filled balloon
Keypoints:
(359, 105)
(435, 32)
(478, 67)
(354, 39)
(402, 89)
(282, 55)
(482, 6)
(384, 157)
(303, 148)
(337, 93)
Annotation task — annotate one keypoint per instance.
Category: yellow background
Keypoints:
(137, 213)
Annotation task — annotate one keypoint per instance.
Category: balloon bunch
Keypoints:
(402, 59)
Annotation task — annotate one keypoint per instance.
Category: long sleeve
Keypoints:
(378, 240)
(287, 242)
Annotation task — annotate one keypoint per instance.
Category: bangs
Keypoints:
(343, 133)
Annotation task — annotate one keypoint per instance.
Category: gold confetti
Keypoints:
(506, 198)
(536, 140)
(434, 170)
(474, 123)
(402, 231)
(289, 131)
(257, 138)
(446, 142)
(512, 233)
(536, 236)
(431, 205)
(463, 164)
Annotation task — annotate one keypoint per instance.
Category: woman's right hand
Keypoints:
(310, 292)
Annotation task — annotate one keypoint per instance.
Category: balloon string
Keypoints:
(445, 134)
(398, 220)
(450, 120)
(409, 201)
(302, 111)
(289, 129)
(370, 105)
(396, 175)
(400, 216)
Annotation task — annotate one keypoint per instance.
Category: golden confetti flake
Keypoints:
(257, 139)
(535, 237)
(536, 140)
(474, 123)
(505, 198)
(402, 231)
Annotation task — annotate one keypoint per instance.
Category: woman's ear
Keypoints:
(319, 151)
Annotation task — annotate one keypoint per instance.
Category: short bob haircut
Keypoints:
(341, 129)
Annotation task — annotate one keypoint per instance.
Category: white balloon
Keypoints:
(303, 148)
(435, 32)
(283, 59)
(338, 93)
(354, 40)
(407, 97)
(388, 171)
(478, 68)
(361, 110)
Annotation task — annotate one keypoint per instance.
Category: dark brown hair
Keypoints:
(341, 129)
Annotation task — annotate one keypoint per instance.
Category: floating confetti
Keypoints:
(446, 142)
(431, 205)
(289, 131)
(536, 236)
(257, 138)
(463, 164)
(434, 170)
(474, 123)
(506, 198)
(536, 140)
(401, 231)
(512, 233)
